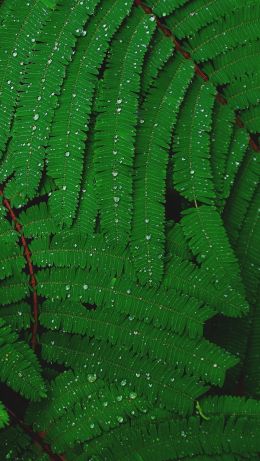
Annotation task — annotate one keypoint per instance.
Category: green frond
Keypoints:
(117, 106)
(88, 408)
(221, 136)
(208, 241)
(19, 32)
(165, 7)
(251, 119)
(158, 53)
(238, 26)
(248, 248)
(11, 260)
(4, 418)
(37, 221)
(201, 286)
(230, 406)
(14, 289)
(194, 16)
(152, 143)
(19, 367)
(192, 176)
(237, 151)
(17, 315)
(87, 211)
(170, 311)
(151, 379)
(176, 244)
(243, 92)
(79, 251)
(66, 147)
(37, 101)
(147, 340)
(8, 234)
(14, 442)
(227, 67)
(241, 194)
(177, 438)
(6, 9)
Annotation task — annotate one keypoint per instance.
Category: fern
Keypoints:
(129, 230)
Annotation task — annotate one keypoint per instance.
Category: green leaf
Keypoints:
(152, 144)
(192, 176)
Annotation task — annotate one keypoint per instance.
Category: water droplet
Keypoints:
(148, 237)
(114, 173)
(14, 54)
(67, 154)
(35, 117)
(85, 287)
(116, 199)
(120, 419)
(92, 378)
(133, 395)
(67, 287)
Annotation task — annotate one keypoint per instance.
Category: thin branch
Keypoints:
(27, 255)
(219, 97)
(37, 437)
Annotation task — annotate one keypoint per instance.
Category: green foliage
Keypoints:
(129, 230)
(19, 366)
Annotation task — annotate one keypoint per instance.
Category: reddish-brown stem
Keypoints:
(219, 97)
(27, 254)
(37, 437)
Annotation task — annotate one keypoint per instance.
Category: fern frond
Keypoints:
(192, 176)
(114, 148)
(37, 221)
(87, 211)
(251, 119)
(17, 315)
(176, 244)
(19, 366)
(18, 34)
(208, 241)
(221, 137)
(70, 125)
(4, 418)
(14, 289)
(157, 118)
(11, 260)
(88, 408)
(237, 152)
(243, 92)
(38, 100)
(177, 438)
(193, 16)
(230, 406)
(152, 379)
(170, 311)
(241, 194)
(165, 7)
(201, 285)
(239, 26)
(227, 67)
(153, 342)
(158, 53)
(75, 250)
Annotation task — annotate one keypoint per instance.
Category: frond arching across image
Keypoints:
(129, 230)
